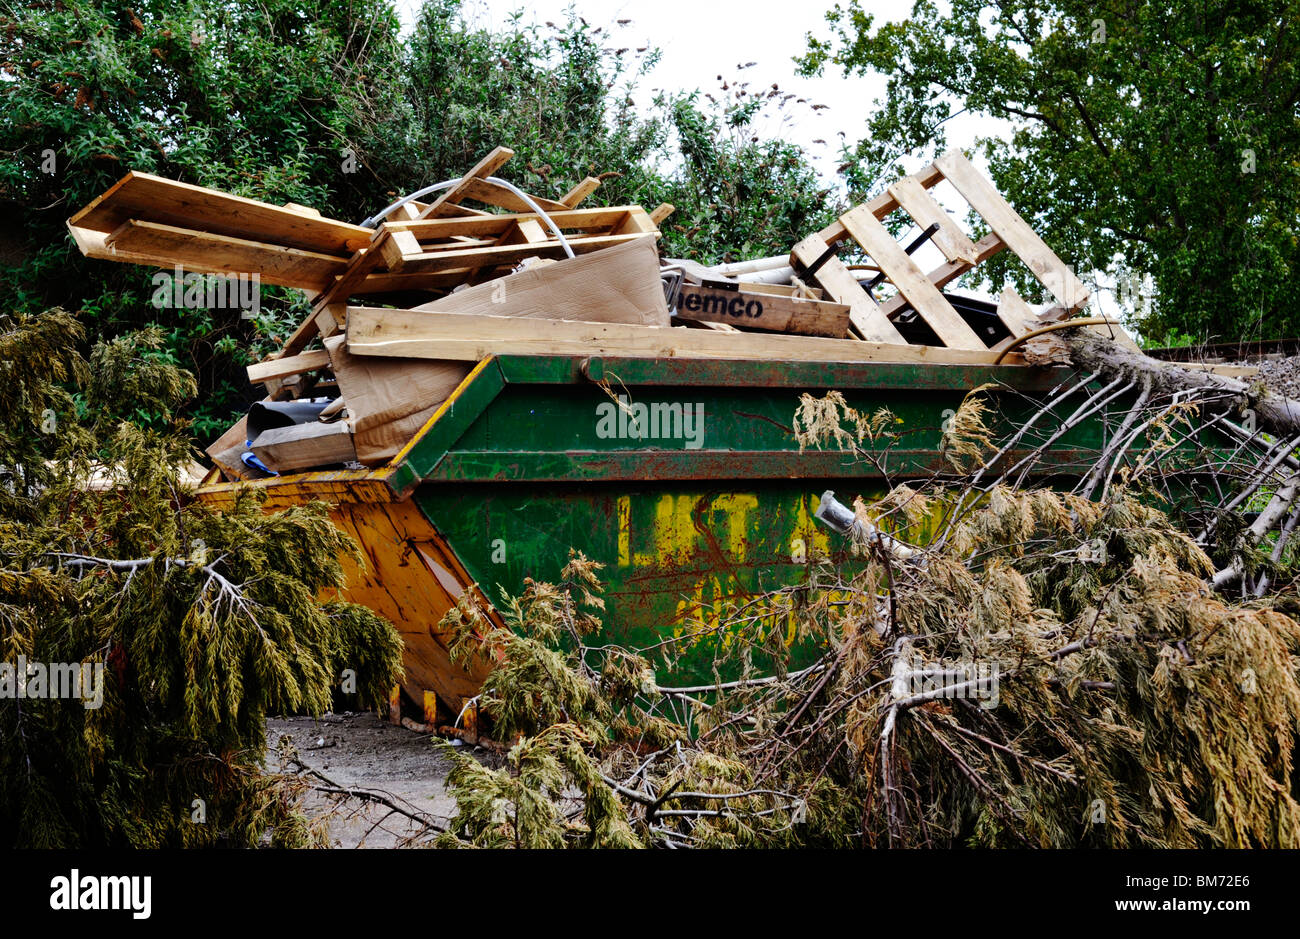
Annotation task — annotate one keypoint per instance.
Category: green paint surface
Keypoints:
(522, 469)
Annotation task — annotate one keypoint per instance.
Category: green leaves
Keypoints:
(1166, 136)
(200, 622)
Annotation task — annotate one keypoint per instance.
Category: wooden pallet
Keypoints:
(433, 246)
(917, 289)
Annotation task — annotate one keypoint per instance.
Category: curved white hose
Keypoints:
(374, 220)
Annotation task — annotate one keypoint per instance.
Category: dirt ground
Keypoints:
(362, 751)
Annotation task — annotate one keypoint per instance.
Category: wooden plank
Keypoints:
(579, 192)
(661, 212)
(329, 319)
(356, 272)
(303, 446)
(842, 287)
(148, 198)
(949, 271)
(469, 338)
(911, 282)
(528, 230)
(1013, 230)
(636, 220)
(484, 167)
(203, 252)
(428, 262)
(881, 205)
(431, 229)
(772, 313)
(92, 244)
(501, 197)
(782, 290)
(288, 365)
(396, 245)
(407, 212)
(919, 204)
(1016, 314)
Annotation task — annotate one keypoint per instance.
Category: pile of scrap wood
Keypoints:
(525, 274)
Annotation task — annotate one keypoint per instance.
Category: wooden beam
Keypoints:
(304, 446)
(484, 167)
(289, 365)
(842, 287)
(500, 196)
(431, 262)
(1013, 230)
(471, 338)
(945, 273)
(661, 212)
(881, 205)
(579, 192)
(356, 272)
(147, 198)
(203, 252)
(921, 293)
(919, 204)
(1016, 314)
(430, 229)
(396, 246)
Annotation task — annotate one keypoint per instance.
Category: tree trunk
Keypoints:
(1273, 413)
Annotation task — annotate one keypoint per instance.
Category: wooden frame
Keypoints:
(921, 291)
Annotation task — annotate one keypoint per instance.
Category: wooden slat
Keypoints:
(351, 278)
(579, 192)
(286, 366)
(528, 230)
(842, 287)
(484, 167)
(919, 204)
(147, 198)
(470, 338)
(1016, 314)
(949, 271)
(396, 245)
(500, 196)
(432, 262)
(167, 246)
(661, 212)
(1013, 230)
(305, 445)
(921, 293)
(496, 225)
(881, 205)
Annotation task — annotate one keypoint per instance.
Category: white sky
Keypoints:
(702, 39)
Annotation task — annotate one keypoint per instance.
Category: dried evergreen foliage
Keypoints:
(1048, 670)
(201, 622)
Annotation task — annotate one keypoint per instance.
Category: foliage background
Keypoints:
(1153, 140)
(262, 98)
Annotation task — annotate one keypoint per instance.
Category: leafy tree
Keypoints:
(1150, 139)
(187, 626)
(278, 100)
(253, 98)
(562, 97)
